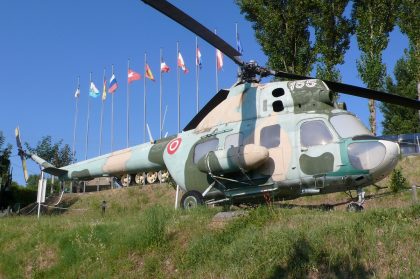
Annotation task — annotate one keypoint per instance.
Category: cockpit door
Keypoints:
(318, 152)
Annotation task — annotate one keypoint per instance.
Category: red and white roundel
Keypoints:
(173, 146)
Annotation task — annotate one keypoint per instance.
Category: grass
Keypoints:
(141, 236)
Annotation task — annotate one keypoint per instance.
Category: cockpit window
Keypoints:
(348, 126)
(203, 148)
(314, 132)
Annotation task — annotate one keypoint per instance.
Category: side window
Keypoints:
(203, 148)
(270, 136)
(314, 133)
(233, 140)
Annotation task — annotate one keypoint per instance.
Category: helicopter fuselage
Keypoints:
(280, 139)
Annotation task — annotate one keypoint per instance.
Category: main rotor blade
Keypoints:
(359, 91)
(194, 26)
(373, 94)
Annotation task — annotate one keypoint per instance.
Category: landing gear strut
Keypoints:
(357, 206)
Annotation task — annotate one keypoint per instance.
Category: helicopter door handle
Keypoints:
(303, 149)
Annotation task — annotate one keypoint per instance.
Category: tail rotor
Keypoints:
(22, 154)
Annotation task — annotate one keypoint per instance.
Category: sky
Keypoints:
(47, 44)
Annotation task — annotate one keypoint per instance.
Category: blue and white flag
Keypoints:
(238, 44)
(93, 91)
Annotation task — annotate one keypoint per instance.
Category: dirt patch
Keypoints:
(44, 258)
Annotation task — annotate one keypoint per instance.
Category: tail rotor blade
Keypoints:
(22, 153)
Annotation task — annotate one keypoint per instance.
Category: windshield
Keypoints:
(348, 125)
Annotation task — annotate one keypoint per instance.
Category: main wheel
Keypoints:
(192, 199)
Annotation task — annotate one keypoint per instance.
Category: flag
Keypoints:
(77, 93)
(132, 76)
(93, 91)
(113, 85)
(181, 63)
(198, 58)
(219, 58)
(238, 44)
(149, 73)
(163, 67)
(104, 90)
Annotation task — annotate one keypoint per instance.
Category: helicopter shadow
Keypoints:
(303, 257)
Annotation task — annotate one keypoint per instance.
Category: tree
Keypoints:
(282, 29)
(374, 20)
(399, 119)
(5, 174)
(4, 161)
(409, 23)
(332, 33)
(55, 153)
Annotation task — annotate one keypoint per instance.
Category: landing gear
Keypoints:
(354, 207)
(192, 199)
(357, 206)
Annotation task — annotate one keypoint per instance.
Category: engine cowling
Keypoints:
(241, 158)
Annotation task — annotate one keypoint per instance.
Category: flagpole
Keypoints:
(128, 105)
(160, 95)
(87, 120)
(75, 117)
(144, 100)
(102, 117)
(196, 73)
(177, 76)
(217, 75)
(112, 114)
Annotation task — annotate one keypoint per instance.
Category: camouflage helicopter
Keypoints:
(279, 140)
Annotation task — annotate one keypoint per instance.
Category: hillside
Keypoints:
(141, 236)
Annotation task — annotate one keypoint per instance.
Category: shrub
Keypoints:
(398, 182)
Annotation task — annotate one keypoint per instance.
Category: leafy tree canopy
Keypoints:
(57, 153)
(398, 119)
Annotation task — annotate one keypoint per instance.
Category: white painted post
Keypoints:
(414, 191)
(176, 196)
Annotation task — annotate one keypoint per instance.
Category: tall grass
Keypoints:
(138, 238)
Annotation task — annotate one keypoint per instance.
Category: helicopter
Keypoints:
(279, 140)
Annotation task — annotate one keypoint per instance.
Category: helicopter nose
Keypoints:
(379, 157)
(392, 154)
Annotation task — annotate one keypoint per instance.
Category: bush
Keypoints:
(398, 182)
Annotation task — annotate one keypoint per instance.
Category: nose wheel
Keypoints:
(357, 206)
(192, 199)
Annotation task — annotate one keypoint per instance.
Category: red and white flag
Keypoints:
(163, 67)
(132, 76)
(181, 63)
(219, 59)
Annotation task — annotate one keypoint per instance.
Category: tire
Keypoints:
(354, 207)
(191, 199)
